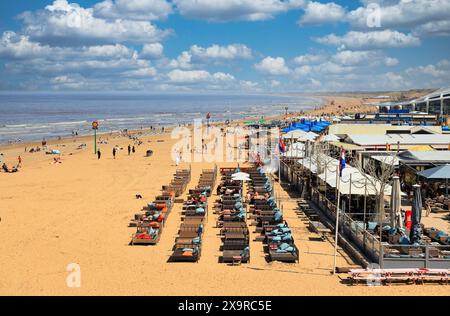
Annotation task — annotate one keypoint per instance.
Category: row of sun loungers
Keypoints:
(188, 244)
(150, 222)
(232, 221)
(390, 276)
(179, 183)
(275, 232)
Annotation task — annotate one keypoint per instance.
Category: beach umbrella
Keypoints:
(330, 138)
(416, 232)
(307, 138)
(241, 176)
(440, 172)
(312, 134)
(395, 203)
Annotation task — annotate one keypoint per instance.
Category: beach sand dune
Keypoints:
(53, 215)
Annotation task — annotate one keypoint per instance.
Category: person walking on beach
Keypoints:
(99, 154)
(134, 150)
(19, 164)
(129, 150)
(114, 152)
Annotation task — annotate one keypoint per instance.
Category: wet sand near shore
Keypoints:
(53, 215)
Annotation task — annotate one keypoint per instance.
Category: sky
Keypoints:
(230, 46)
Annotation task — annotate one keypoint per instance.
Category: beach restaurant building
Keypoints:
(316, 179)
(437, 103)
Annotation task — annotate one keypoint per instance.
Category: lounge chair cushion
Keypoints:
(200, 210)
(284, 246)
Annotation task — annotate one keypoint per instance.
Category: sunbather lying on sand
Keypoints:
(6, 169)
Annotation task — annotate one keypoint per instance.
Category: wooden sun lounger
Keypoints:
(137, 241)
(235, 236)
(193, 219)
(235, 245)
(230, 255)
(243, 230)
(188, 234)
(284, 257)
(234, 224)
(177, 256)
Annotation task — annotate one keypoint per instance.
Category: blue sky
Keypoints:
(224, 45)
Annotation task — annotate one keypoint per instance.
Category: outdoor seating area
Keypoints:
(231, 211)
(188, 244)
(400, 241)
(150, 223)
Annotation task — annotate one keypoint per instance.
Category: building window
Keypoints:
(421, 107)
(408, 107)
(446, 107)
(434, 107)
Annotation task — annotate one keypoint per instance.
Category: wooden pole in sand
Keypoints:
(338, 184)
(95, 128)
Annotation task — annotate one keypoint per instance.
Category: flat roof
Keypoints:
(403, 139)
(435, 156)
(377, 129)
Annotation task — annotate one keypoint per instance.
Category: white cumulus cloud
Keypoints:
(232, 51)
(196, 76)
(69, 24)
(273, 66)
(320, 13)
(232, 10)
(370, 40)
(152, 51)
(133, 9)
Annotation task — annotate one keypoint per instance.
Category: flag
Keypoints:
(342, 162)
(281, 145)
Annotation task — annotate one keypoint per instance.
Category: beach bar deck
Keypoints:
(432, 255)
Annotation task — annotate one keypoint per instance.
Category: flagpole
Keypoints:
(338, 185)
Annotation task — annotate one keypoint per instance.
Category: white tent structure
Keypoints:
(328, 173)
(330, 138)
(307, 138)
(294, 134)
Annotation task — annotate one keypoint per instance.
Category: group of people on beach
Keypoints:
(131, 150)
(14, 169)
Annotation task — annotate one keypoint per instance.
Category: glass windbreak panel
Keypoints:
(408, 107)
(434, 107)
(446, 106)
(421, 107)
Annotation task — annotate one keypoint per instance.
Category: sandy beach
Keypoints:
(53, 215)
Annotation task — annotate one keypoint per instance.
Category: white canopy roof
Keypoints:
(307, 137)
(330, 138)
(294, 134)
(329, 170)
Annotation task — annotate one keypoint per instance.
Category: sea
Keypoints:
(37, 116)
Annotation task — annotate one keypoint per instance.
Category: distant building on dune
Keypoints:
(437, 103)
